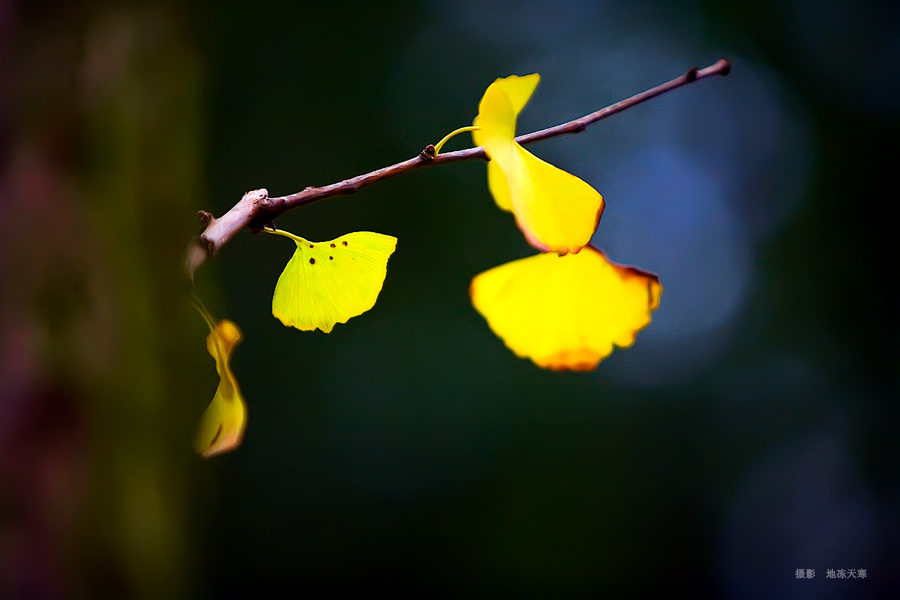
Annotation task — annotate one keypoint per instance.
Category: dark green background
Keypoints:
(408, 453)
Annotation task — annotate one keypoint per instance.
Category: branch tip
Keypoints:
(724, 66)
(195, 255)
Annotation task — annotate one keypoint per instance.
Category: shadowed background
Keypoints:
(751, 431)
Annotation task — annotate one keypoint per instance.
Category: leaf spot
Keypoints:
(312, 261)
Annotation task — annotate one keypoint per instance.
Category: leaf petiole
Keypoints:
(286, 234)
(440, 144)
(198, 306)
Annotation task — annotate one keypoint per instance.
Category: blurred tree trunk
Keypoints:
(99, 173)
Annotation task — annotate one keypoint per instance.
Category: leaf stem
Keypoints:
(198, 306)
(440, 144)
(286, 234)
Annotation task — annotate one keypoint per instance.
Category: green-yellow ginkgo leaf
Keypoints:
(330, 282)
(555, 210)
(223, 422)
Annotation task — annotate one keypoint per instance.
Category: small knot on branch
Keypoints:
(691, 75)
(254, 197)
(255, 229)
(428, 153)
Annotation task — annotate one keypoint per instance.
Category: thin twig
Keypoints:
(256, 209)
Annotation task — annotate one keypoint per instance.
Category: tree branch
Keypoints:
(256, 209)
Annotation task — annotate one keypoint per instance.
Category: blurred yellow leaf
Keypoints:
(223, 422)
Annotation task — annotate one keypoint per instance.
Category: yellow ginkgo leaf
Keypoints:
(330, 282)
(558, 212)
(565, 312)
(555, 210)
(223, 422)
(498, 186)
